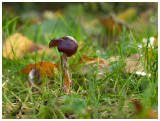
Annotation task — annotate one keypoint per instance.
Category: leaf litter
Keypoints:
(44, 68)
(133, 64)
(18, 45)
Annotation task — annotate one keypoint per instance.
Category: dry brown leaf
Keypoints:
(85, 61)
(136, 105)
(141, 112)
(144, 18)
(152, 114)
(20, 45)
(88, 60)
(112, 59)
(103, 64)
(43, 68)
(113, 24)
(132, 63)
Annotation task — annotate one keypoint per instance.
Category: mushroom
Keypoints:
(68, 47)
(33, 76)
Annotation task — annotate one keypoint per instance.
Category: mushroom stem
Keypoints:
(65, 72)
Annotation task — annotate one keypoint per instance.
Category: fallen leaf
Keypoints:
(85, 61)
(136, 105)
(51, 15)
(103, 64)
(143, 113)
(17, 45)
(144, 18)
(127, 14)
(132, 63)
(88, 60)
(43, 68)
(135, 65)
(113, 24)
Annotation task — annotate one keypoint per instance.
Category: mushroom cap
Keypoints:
(67, 45)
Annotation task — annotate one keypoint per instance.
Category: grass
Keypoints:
(91, 97)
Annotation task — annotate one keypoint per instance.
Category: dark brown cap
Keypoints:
(67, 45)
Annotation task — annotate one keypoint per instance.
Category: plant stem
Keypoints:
(65, 73)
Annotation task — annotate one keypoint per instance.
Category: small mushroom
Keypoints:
(33, 76)
(68, 47)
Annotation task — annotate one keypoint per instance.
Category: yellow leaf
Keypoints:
(17, 45)
(127, 14)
